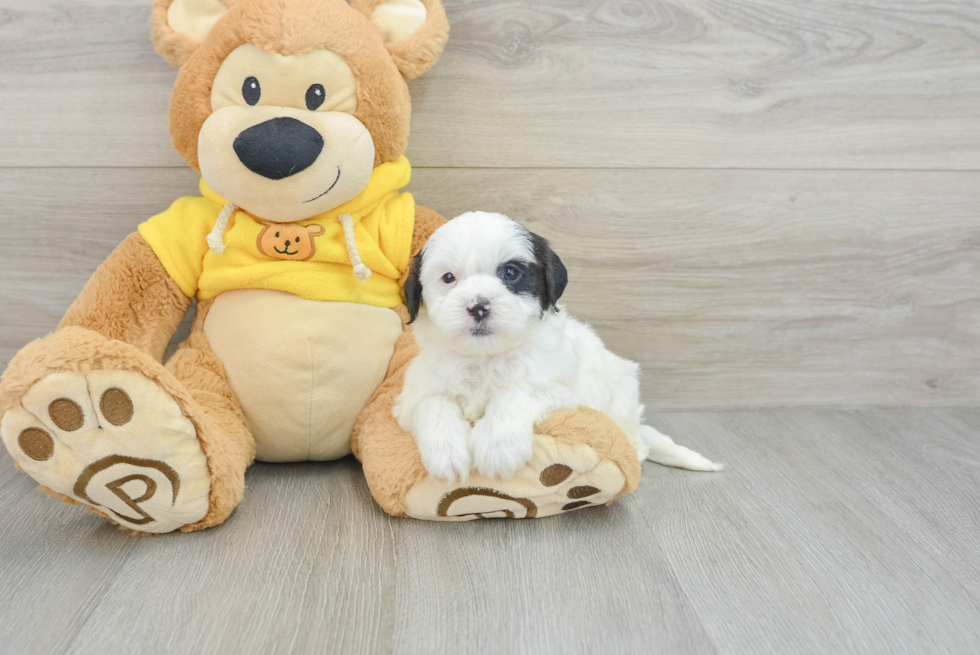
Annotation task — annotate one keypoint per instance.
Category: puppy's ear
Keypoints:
(555, 273)
(413, 289)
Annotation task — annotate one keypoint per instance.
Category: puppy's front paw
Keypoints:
(501, 448)
(448, 459)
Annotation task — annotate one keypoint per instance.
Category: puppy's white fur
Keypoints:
(478, 387)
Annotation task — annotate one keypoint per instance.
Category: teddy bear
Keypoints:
(296, 114)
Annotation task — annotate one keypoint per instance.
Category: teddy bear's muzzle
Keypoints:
(279, 147)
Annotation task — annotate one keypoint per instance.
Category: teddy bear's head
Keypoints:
(286, 106)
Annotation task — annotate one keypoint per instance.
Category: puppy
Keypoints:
(498, 355)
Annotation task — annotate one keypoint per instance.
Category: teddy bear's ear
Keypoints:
(179, 26)
(414, 31)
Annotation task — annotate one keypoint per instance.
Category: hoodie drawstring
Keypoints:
(216, 241)
(361, 272)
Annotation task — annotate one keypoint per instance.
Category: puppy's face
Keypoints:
(486, 282)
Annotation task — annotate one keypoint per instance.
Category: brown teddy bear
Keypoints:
(296, 113)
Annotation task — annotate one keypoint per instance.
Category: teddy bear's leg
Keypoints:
(228, 442)
(91, 413)
(581, 458)
(391, 461)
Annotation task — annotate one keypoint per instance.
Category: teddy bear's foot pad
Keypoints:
(113, 440)
(559, 478)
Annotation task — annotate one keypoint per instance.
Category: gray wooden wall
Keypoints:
(768, 203)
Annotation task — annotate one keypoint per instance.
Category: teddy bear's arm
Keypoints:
(426, 222)
(131, 298)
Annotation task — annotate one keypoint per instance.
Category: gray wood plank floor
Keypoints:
(830, 532)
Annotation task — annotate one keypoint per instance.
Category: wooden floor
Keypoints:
(830, 532)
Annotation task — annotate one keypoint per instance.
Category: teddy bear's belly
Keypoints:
(302, 369)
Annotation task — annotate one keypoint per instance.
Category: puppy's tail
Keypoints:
(664, 451)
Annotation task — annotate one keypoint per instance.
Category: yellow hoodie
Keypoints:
(310, 259)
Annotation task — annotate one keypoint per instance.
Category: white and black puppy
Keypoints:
(498, 355)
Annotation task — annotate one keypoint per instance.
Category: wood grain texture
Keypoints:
(885, 516)
(732, 288)
(843, 532)
(559, 83)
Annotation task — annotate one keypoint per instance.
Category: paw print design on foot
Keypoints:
(559, 478)
(113, 440)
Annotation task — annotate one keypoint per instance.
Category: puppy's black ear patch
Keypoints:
(413, 289)
(554, 272)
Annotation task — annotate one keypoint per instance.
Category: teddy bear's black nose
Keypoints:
(279, 147)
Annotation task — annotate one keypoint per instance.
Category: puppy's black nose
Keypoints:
(279, 147)
(479, 309)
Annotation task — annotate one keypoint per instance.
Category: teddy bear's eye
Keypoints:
(315, 96)
(277, 235)
(251, 91)
(297, 239)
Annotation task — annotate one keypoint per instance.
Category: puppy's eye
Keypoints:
(315, 97)
(448, 278)
(251, 90)
(509, 273)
